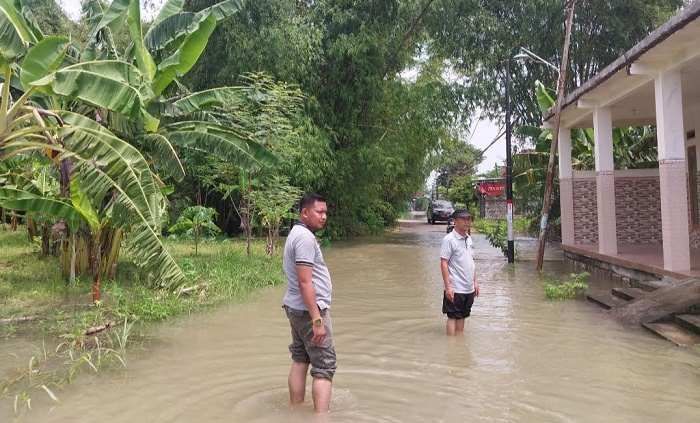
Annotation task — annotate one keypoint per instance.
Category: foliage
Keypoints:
(274, 202)
(113, 114)
(564, 290)
(479, 36)
(368, 129)
(496, 232)
(196, 222)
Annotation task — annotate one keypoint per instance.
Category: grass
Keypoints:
(33, 286)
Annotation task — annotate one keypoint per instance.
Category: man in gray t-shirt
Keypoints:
(307, 303)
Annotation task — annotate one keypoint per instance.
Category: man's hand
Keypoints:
(450, 293)
(476, 287)
(319, 334)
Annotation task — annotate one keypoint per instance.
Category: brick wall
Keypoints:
(495, 208)
(638, 210)
(585, 211)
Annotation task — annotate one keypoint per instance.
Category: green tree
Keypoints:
(196, 222)
(274, 203)
(59, 93)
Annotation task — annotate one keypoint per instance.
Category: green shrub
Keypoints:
(496, 232)
(572, 288)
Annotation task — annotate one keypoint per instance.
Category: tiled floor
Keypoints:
(644, 257)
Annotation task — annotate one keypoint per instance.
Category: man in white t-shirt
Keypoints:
(458, 273)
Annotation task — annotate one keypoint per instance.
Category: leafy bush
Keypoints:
(496, 232)
(575, 286)
(196, 221)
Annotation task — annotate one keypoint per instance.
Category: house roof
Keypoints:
(626, 85)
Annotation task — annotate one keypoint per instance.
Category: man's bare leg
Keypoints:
(297, 382)
(321, 391)
(450, 327)
(459, 326)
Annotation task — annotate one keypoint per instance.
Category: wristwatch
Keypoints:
(318, 322)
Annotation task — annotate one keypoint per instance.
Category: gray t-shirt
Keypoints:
(458, 252)
(302, 248)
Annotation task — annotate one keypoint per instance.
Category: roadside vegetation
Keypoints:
(74, 335)
(567, 289)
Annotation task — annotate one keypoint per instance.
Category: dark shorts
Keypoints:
(460, 308)
(321, 357)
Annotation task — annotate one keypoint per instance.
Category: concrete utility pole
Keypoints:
(561, 91)
(509, 170)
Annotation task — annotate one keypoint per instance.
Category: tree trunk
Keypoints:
(196, 240)
(45, 240)
(96, 268)
(31, 229)
(73, 240)
(111, 248)
(13, 223)
(561, 92)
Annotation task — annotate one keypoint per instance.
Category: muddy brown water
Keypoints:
(522, 359)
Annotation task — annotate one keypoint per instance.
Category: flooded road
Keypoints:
(522, 359)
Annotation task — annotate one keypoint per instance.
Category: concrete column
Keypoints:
(566, 187)
(672, 171)
(605, 180)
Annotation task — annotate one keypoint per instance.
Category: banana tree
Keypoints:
(196, 221)
(115, 175)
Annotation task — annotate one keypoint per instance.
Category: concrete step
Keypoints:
(628, 294)
(650, 285)
(690, 322)
(605, 299)
(674, 333)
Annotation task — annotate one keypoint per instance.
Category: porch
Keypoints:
(642, 219)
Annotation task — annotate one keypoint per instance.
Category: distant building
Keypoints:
(491, 193)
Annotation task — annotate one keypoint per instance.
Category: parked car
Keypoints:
(439, 210)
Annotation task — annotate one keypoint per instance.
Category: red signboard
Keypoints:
(491, 189)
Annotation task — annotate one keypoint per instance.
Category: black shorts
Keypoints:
(460, 308)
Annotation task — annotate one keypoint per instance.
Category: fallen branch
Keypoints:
(17, 320)
(194, 288)
(97, 329)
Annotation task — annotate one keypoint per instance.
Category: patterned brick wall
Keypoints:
(585, 211)
(638, 210)
(496, 209)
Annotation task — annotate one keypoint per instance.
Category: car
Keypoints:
(439, 210)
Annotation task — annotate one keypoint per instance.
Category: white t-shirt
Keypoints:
(458, 252)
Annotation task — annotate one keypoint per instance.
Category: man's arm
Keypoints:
(449, 291)
(308, 294)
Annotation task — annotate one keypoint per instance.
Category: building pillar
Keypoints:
(566, 187)
(605, 180)
(672, 171)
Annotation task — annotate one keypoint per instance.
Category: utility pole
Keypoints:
(561, 88)
(509, 169)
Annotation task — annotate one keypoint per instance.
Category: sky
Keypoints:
(484, 130)
(72, 8)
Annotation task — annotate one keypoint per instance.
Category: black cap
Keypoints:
(463, 213)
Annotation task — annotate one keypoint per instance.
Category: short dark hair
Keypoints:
(309, 199)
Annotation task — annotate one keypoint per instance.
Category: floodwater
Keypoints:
(522, 358)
